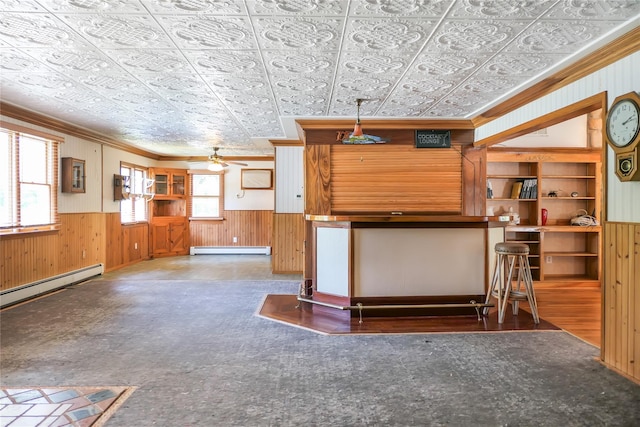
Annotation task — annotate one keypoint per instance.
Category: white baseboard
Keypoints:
(20, 293)
(230, 250)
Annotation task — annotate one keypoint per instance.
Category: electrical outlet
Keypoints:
(84, 254)
(549, 260)
(235, 239)
(135, 245)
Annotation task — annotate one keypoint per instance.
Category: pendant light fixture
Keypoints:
(357, 129)
(358, 136)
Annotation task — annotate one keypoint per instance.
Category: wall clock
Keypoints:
(623, 135)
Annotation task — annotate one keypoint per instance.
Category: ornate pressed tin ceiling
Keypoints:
(177, 77)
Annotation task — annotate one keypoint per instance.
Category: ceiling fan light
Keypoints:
(215, 167)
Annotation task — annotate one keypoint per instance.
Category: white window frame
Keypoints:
(214, 199)
(14, 183)
(134, 208)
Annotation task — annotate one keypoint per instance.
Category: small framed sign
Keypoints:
(433, 139)
(256, 179)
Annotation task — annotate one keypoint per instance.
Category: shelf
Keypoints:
(568, 177)
(567, 278)
(570, 229)
(505, 199)
(511, 176)
(570, 254)
(575, 250)
(566, 198)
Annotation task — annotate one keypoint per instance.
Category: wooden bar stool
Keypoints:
(512, 259)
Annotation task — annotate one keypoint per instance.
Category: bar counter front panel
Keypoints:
(383, 257)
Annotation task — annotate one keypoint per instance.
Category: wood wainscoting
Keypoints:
(126, 243)
(621, 305)
(29, 257)
(287, 256)
(251, 228)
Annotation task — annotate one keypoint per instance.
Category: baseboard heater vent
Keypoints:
(24, 292)
(230, 250)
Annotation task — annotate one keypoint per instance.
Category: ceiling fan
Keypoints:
(217, 162)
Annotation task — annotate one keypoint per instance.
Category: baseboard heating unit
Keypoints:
(30, 290)
(230, 250)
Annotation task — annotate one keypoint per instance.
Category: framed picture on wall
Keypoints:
(256, 179)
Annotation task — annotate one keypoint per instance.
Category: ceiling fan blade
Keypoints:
(237, 163)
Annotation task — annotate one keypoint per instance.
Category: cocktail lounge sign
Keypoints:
(433, 139)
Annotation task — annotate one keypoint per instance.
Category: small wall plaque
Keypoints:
(256, 179)
(433, 139)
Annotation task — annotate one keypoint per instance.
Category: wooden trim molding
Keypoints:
(31, 131)
(21, 114)
(205, 158)
(619, 48)
(286, 142)
(585, 106)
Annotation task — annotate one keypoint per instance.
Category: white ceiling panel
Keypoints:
(177, 77)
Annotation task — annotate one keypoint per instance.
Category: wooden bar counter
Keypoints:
(401, 259)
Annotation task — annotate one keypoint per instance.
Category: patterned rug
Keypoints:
(60, 406)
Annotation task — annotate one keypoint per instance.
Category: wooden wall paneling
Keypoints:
(121, 242)
(138, 238)
(288, 242)
(635, 302)
(384, 178)
(621, 302)
(80, 242)
(113, 241)
(252, 228)
(317, 180)
(27, 258)
(474, 179)
(309, 253)
(622, 295)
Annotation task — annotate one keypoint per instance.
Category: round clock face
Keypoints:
(623, 123)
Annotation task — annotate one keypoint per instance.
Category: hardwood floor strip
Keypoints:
(575, 310)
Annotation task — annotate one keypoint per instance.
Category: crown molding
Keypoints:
(618, 49)
(27, 116)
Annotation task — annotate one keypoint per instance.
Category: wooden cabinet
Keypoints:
(169, 183)
(169, 236)
(169, 230)
(72, 176)
(566, 183)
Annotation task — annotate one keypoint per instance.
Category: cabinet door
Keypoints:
(178, 184)
(162, 184)
(160, 239)
(178, 237)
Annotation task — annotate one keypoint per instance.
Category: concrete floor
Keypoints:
(183, 332)
(202, 267)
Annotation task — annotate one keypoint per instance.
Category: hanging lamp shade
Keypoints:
(357, 128)
(358, 136)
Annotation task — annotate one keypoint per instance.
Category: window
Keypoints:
(206, 195)
(134, 207)
(28, 181)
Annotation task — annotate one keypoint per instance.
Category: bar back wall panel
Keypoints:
(387, 178)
